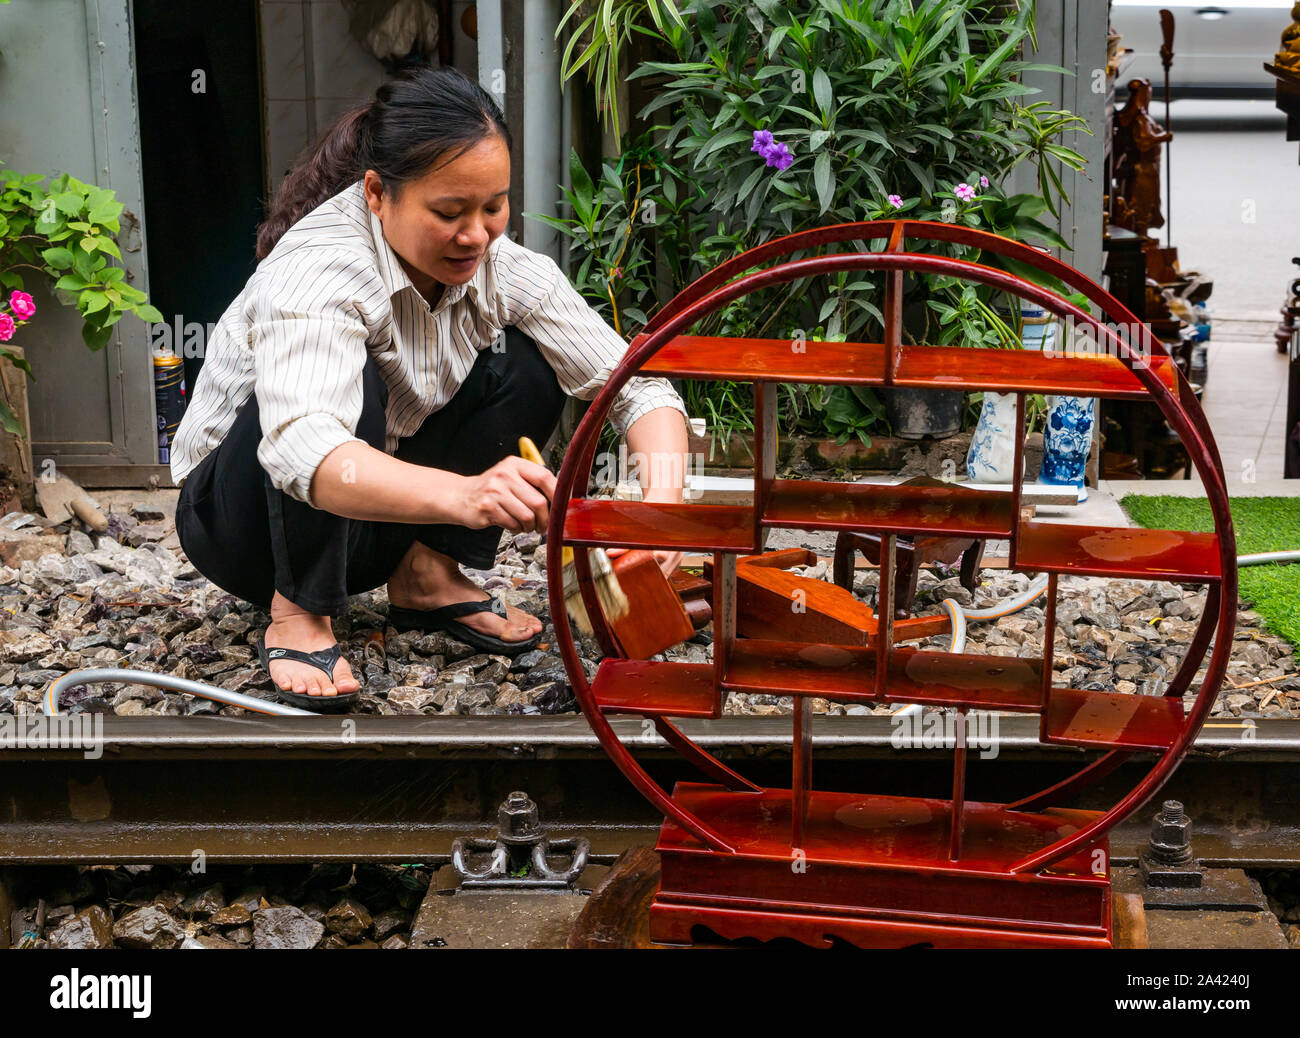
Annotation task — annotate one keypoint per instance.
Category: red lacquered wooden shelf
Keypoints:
(976, 680)
(933, 367)
(1115, 551)
(813, 505)
(889, 871)
(868, 829)
(1112, 719)
(788, 668)
(771, 360)
(635, 524)
(1027, 371)
(847, 673)
(656, 689)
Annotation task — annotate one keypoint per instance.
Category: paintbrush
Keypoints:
(613, 602)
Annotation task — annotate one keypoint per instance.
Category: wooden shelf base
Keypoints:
(872, 871)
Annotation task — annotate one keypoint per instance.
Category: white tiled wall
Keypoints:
(313, 70)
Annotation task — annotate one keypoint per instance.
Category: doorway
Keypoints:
(198, 75)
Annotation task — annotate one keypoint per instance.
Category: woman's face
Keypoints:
(450, 214)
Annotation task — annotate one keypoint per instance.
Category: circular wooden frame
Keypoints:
(1171, 393)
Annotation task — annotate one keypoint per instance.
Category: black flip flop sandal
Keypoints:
(443, 619)
(323, 659)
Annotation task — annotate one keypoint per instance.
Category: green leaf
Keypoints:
(95, 337)
(19, 362)
(68, 202)
(824, 180)
(94, 302)
(106, 211)
(723, 141)
(71, 283)
(59, 258)
(822, 91)
(83, 264)
(582, 186)
(149, 314)
(8, 420)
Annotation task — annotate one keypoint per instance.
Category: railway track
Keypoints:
(403, 789)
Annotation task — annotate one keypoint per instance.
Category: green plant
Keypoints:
(789, 116)
(66, 231)
(607, 30)
(612, 228)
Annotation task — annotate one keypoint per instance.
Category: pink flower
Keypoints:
(984, 181)
(895, 201)
(965, 192)
(7, 327)
(22, 306)
(615, 273)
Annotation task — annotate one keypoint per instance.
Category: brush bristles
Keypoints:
(609, 594)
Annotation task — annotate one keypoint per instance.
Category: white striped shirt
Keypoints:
(331, 291)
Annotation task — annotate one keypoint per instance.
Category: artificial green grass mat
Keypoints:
(1261, 524)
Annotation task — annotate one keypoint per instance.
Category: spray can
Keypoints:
(169, 395)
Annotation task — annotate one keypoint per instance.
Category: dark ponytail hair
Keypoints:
(424, 115)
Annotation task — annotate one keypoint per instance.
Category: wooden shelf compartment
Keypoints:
(636, 524)
(976, 680)
(1110, 720)
(657, 689)
(847, 673)
(917, 366)
(1029, 371)
(771, 360)
(1117, 551)
(840, 672)
(899, 508)
(879, 831)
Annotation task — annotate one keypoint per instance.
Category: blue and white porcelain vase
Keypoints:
(1068, 441)
(992, 448)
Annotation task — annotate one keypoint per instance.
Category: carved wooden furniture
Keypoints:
(911, 553)
(876, 870)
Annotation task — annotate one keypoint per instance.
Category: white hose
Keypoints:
(959, 615)
(167, 681)
(1268, 556)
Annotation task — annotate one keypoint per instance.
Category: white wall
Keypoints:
(314, 70)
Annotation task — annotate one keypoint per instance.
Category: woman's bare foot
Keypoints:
(427, 579)
(294, 628)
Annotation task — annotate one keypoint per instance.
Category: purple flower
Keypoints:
(779, 157)
(774, 153)
(895, 201)
(965, 192)
(984, 181)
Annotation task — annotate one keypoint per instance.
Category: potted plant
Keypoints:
(62, 232)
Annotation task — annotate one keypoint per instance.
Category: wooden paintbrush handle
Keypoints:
(529, 452)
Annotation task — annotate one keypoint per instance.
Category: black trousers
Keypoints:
(251, 539)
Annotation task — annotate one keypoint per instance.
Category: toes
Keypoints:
(344, 682)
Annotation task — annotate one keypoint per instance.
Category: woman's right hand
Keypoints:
(514, 494)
